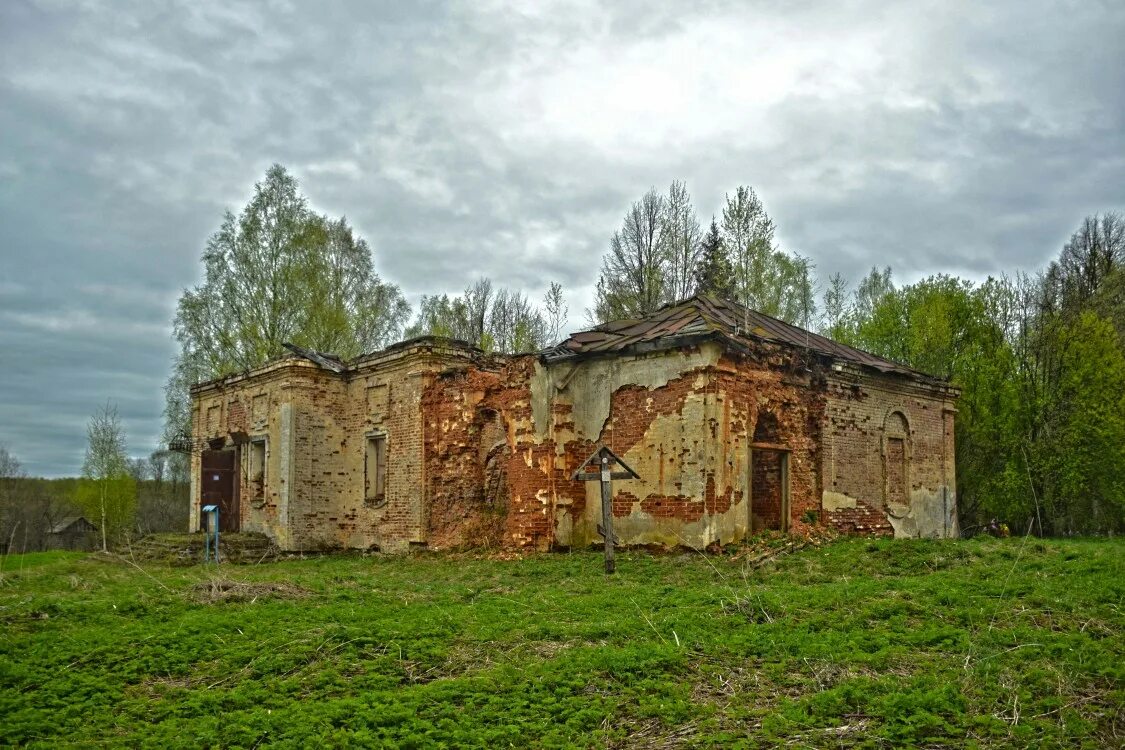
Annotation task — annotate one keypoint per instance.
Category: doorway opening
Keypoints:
(769, 477)
(218, 484)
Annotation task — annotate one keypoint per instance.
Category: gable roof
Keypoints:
(65, 524)
(708, 317)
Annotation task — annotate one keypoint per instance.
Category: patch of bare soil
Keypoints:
(243, 548)
(465, 658)
(653, 735)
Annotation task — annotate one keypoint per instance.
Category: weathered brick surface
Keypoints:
(889, 457)
(688, 433)
(479, 424)
(316, 424)
(481, 450)
(766, 489)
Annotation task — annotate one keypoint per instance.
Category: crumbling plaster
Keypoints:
(856, 496)
(682, 417)
(588, 385)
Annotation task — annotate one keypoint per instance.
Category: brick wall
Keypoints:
(888, 447)
(766, 490)
(480, 450)
(316, 423)
(479, 432)
(683, 420)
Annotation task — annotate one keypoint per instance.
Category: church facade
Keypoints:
(735, 423)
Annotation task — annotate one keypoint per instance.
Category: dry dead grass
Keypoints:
(218, 590)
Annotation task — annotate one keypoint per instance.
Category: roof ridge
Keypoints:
(814, 334)
(730, 319)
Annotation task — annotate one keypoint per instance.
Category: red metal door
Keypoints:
(218, 482)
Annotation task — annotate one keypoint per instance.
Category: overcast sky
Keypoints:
(508, 140)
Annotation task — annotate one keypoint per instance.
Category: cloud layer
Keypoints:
(507, 140)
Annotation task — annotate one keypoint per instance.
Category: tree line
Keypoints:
(496, 320)
(660, 255)
(1040, 360)
(280, 272)
(122, 497)
(1041, 423)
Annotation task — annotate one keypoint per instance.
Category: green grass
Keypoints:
(855, 644)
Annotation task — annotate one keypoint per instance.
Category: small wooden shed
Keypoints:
(73, 533)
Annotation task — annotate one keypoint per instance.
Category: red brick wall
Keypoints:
(693, 470)
(896, 470)
(766, 489)
(480, 452)
(462, 411)
(889, 457)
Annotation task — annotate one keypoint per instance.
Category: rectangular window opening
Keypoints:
(375, 468)
(256, 468)
(896, 471)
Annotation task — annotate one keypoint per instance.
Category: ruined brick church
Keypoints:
(736, 422)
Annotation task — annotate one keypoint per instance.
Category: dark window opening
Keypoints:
(896, 471)
(375, 468)
(256, 469)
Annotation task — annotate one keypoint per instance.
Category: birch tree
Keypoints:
(838, 312)
(11, 472)
(681, 236)
(10, 467)
(766, 279)
(872, 290)
(555, 310)
(633, 277)
(278, 272)
(515, 325)
(107, 491)
(496, 320)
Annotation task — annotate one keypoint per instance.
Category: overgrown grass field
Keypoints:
(991, 643)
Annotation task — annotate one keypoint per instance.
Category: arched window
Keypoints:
(896, 459)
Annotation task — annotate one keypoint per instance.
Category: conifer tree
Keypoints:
(714, 274)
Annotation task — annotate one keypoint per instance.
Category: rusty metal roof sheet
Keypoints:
(327, 361)
(706, 316)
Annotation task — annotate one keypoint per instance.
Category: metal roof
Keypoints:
(327, 361)
(706, 316)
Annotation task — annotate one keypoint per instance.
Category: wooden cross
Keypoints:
(600, 467)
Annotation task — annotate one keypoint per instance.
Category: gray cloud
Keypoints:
(507, 140)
